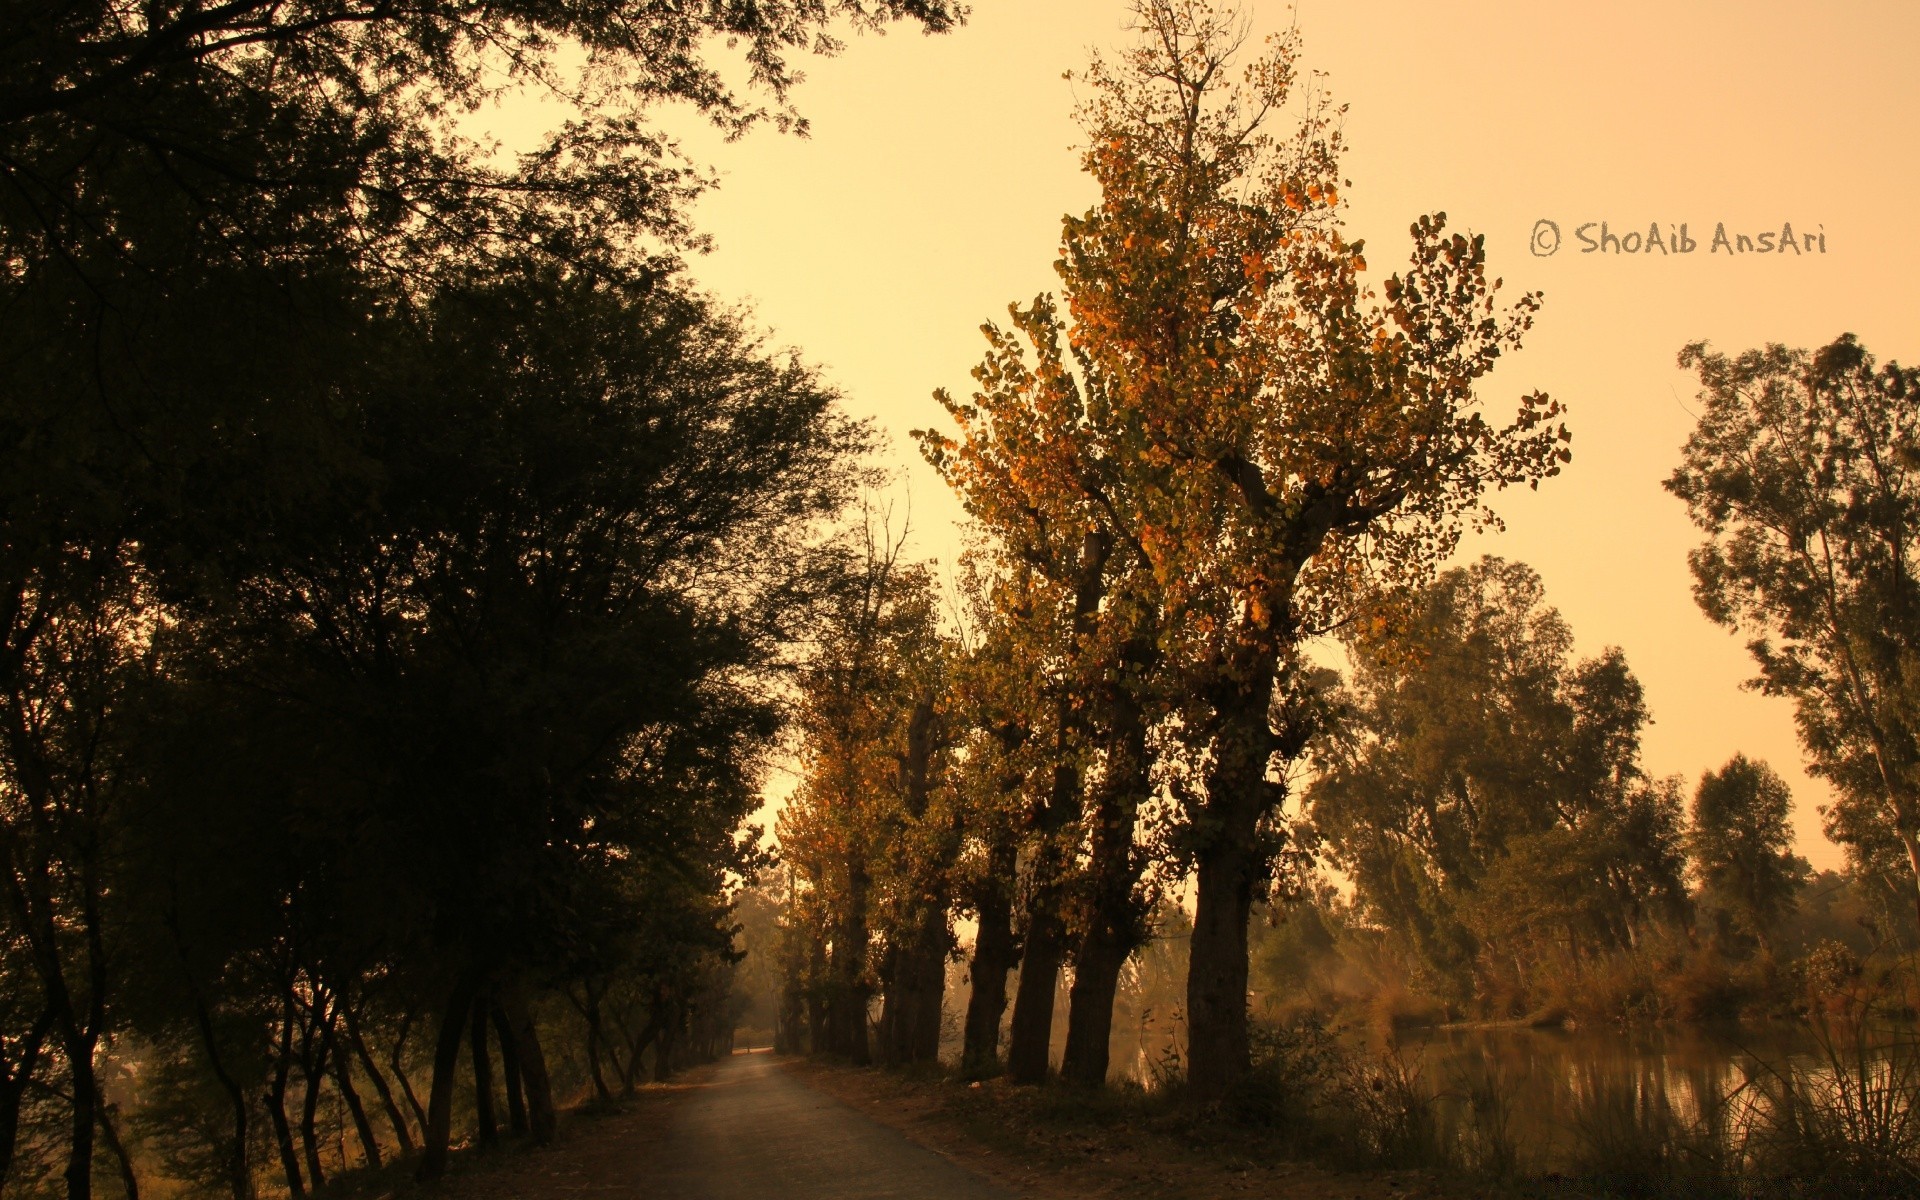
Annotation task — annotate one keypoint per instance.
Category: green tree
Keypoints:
(1802, 474)
(1741, 849)
(1485, 792)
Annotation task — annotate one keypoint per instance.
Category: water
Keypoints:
(1549, 1098)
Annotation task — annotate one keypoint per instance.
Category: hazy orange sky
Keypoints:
(930, 194)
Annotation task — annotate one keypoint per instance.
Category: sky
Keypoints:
(929, 193)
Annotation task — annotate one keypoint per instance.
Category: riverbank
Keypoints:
(1067, 1144)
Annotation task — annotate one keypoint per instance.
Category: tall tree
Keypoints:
(1074, 614)
(867, 836)
(1268, 440)
(1741, 848)
(1802, 474)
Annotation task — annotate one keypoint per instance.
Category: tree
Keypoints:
(76, 642)
(870, 831)
(1073, 616)
(1802, 474)
(260, 127)
(412, 481)
(1266, 438)
(1484, 790)
(1741, 844)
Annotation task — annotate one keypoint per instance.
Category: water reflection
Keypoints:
(1636, 1099)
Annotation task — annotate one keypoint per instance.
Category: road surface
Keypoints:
(755, 1132)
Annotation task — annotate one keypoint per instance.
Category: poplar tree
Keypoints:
(1266, 437)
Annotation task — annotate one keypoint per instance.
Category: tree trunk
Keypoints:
(995, 952)
(84, 1086)
(1030, 1039)
(1115, 921)
(313, 1066)
(343, 1079)
(930, 968)
(13, 1090)
(531, 1065)
(1912, 846)
(847, 1002)
(791, 1020)
(277, 1111)
(894, 1001)
(1096, 980)
(590, 1011)
(818, 1039)
(910, 1022)
(129, 1182)
(664, 1039)
(485, 1127)
(239, 1165)
(1217, 1047)
(510, 1070)
(636, 1048)
(446, 1060)
(398, 1061)
(1231, 860)
(395, 1117)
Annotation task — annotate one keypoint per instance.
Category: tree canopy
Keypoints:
(1801, 473)
(1485, 791)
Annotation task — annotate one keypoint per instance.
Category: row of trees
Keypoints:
(1217, 445)
(385, 652)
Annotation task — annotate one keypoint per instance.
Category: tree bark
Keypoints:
(664, 1039)
(13, 1089)
(1217, 1045)
(277, 1107)
(1231, 860)
(485, 1127)
(129, 1182)
(1096, 981)
(343, 1079)
(590, 1012)
(1115, 919)
(1912, 846)
(1030, 1039)
(402, 1134)
(636, 1049)
(930, 965)
(398, 1061)
(510, 1070)
(910, 1021)
(995, 951)
(531, 1065)
(313, 1064)
(446, 1060)
(847, 1002)
(239, 1165)
(819, 1040)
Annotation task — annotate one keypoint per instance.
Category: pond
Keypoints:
(1549, 1098)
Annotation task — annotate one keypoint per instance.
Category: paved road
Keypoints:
(755, 1132)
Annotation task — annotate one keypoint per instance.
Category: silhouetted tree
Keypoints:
(1741, 849)
(1802, 475)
